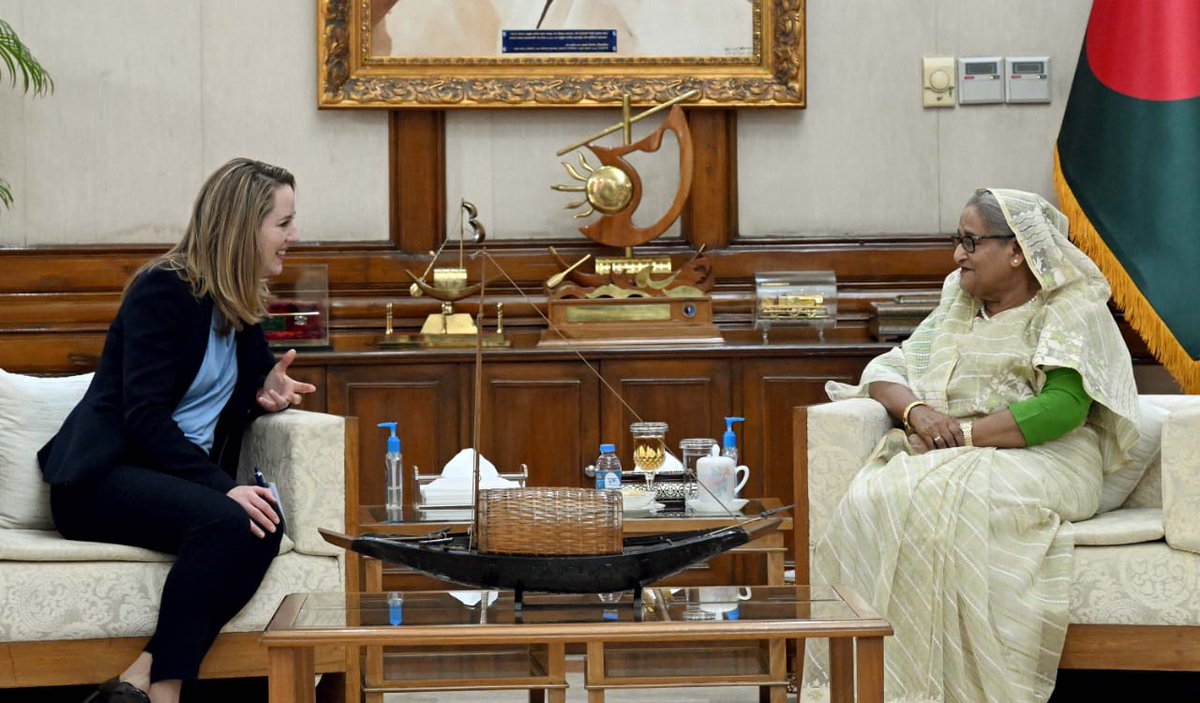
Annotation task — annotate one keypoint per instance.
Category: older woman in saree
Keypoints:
(1012, 400)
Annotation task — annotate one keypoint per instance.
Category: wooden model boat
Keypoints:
(643, 560)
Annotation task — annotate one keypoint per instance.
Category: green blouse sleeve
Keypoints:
(1061, 407)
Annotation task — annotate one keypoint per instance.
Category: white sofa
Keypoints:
(1135, 596)
(78, 612)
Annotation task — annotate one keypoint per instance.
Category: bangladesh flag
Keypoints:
(1127, 169)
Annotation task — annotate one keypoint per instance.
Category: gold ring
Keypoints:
(938, 439)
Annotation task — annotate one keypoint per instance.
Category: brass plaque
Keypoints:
(619, 313)
(631, 265)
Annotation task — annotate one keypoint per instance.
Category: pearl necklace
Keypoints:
(984, 313)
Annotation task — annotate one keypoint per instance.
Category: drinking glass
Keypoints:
(691, 450)
(649, 448)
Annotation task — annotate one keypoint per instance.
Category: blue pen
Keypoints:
(261, 481)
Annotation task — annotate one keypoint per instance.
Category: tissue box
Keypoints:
(453, 487)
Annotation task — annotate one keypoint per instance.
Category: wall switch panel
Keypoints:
(1027, 79)
(937, 81)
(980, 80)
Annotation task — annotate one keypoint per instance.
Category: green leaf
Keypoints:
(18, 60)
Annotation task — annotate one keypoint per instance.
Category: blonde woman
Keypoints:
(148, 456)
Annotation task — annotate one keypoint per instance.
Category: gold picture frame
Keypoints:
(358, 67)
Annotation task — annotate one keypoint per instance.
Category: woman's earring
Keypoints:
(1016, 262)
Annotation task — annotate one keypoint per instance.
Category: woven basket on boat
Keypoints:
(550, 521)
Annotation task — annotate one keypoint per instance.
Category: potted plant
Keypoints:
(17, 59)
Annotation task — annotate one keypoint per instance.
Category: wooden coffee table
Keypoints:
(478, 640)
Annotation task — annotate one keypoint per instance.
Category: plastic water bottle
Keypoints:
(608, 468)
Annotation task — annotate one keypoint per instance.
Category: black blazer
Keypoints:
(153, 351)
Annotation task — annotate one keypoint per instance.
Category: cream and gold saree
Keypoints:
(960, 548)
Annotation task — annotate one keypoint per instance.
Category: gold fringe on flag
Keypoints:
(1138, 311)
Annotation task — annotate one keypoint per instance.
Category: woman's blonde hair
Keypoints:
(218, 255)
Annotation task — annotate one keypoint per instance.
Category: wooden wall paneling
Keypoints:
(771, 389)
(56, 303)
(417, 178)
(315, 375)
(425, 399)
(50, 353)
(710, 215)
(545, 415)
(691, 395)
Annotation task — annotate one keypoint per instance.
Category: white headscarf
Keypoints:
(1078, 331)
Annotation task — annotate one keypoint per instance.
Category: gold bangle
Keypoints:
(907, 411)
(966, 428)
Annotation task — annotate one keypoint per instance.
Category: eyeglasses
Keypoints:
(970, 241)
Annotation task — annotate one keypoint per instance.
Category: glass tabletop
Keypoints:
(320, 611)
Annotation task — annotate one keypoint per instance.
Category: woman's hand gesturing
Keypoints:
(280, 391)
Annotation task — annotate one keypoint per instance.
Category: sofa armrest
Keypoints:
(1181, 477)
(839, 438)
(304, 454)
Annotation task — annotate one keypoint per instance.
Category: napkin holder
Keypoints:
(520, 479)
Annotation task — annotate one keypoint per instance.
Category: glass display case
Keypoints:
(795, 298)
(298, 314)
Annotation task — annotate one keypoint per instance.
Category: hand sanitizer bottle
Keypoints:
(729, 441)
(394, 479)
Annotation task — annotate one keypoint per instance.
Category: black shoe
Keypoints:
(117, 691)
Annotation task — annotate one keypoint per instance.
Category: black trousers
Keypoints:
(219, 562)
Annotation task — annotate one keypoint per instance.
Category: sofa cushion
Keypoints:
(48, 545)
(31, 411)
(1120, 483)
(1125, 526)
(89, 600)
(1135, 584)
(1181, 478)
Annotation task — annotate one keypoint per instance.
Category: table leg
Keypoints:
(556, 652)
(291, 675)
(870, 669)
(777, 669)
(595, 672)
(841, 670)
(372, 670)
(775, 561)
(353, 686)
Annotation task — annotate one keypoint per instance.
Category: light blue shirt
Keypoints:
(201, 406)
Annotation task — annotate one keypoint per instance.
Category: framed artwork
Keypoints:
(559, 53)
